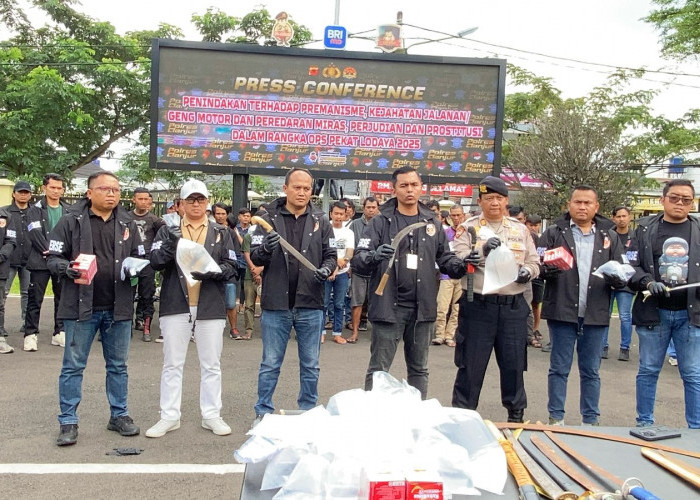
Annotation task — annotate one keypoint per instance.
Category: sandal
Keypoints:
(351, 340)
(534, 342)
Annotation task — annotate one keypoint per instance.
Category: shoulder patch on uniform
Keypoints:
(232, 255)
(34, 225)
(55, 246)
(11, 233)
(363, 243)
(430, 229)
(256, 239)
(156, 245)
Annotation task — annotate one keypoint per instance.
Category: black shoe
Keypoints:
(363, 326)
(68, 435)
(139, 325)
(516, 416)
(547, 347)
(624, 355)
(124, 425)
(605, 353)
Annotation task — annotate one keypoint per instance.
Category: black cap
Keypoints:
(493, 184)
(22, 186)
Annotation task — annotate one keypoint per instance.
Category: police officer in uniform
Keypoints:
(494, 321)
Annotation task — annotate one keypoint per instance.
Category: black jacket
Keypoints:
(647, 313)
(561, 291)
(7, 243)
(38, 229)
(431, 248)
(358, 227)
(18, 223)
(73, 236)
(174, 298)
(315, 246)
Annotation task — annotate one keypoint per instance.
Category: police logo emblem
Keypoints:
(430, 229)
(126, 233)
(459, 231)
(316, 226)
(3, 222)
(606, 243)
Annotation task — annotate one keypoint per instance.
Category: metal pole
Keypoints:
(336, 19)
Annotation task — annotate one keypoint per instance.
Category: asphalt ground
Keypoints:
(32, 466)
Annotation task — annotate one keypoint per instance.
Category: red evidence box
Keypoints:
(87, 265)
(559, 257)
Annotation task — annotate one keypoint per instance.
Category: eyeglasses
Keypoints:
(107, 189)
(674, 198)
(199, 199)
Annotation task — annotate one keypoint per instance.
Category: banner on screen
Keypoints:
(236, 108)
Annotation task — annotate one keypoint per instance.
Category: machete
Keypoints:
(285, 244)
(471, 267)
(395, 245)
(647, 293)
(552, 470)
(596, 435)
(526, 486)
(550, 488)
(631, 487)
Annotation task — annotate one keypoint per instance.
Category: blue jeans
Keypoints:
(339, 288)
(116, 338)
(653, 342)
(230, 289)
(24, 275)
(624, 308)
(588, 340)
(276, 329)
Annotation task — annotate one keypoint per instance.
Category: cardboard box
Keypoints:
(423, 485)
(559, 257)
(87, 265)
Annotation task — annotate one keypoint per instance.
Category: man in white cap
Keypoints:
(187, 309)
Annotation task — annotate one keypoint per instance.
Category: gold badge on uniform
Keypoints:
(430, 229)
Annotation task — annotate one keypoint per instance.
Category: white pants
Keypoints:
(177, 330)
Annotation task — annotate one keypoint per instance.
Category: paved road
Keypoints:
(29, 404)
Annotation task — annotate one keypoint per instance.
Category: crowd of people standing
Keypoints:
(417, 274)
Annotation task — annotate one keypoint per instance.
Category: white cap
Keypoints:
(193, 186)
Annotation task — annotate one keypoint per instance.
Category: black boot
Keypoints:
(68, 435)
(516, 416)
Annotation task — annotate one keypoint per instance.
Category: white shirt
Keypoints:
(343, 240)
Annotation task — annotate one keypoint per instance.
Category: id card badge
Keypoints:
(411, 261)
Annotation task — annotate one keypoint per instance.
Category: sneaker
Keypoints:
(592, 424)
(124, 425)
(235, 334)
(363, 326)
(624, 355)
(162, 428)
(217, 426)
(30, 343)
(68, 435)
(644, 424)
(192, 339)
(604, 355)
(5, 348)
(258, 419)
(671, 361)
(547, 347)
(159, 340)
(139, 325)
(59, 339)
(554, 421)
(146, 337)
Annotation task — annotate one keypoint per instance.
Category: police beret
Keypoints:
(493, 184)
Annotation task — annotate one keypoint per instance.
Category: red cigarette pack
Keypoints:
(87, 265)
(423, 485)
(385, 485)
(559, 257)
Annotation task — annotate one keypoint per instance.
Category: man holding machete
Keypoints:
(668, 258)
(405, 263)
(292, 292)
(496, 321)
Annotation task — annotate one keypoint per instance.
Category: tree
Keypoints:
(679, 23)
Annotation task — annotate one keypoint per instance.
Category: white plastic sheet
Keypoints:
(132, 267)
(388, 428)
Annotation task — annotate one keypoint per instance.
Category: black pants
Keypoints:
(146, 291)
(38, 280)
(486, 325)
